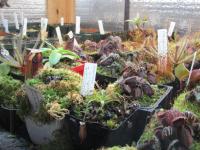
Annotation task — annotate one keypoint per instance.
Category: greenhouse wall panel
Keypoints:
(160, 13)
(111, 12)
(33, 9)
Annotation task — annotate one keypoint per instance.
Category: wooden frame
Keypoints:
(61, 8)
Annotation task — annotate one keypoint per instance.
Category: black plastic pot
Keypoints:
(130, 130)
(103, 80)
(166, 100)
(176, 89)
(9, 119)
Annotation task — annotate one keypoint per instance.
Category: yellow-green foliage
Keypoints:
(112, 93)
(119, 148)
(146, 101)
(182, 105)
(59, 94)
(8, 89)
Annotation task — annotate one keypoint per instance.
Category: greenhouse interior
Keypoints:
(99, 74)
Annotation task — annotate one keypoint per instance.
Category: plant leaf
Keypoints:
(67, 52)
(4, 69)
(47, 65)
(54, 58)
(69, 56)
(181, 72)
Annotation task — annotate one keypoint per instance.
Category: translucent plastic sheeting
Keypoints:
(186, 13)
(110, 11)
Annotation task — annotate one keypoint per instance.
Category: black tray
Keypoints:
(9, 119)
(176, 89)
(166, 100)
(130, 130)
(91, 36)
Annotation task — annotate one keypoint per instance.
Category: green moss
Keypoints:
(8, 90)
(56, 87)
(148, 133)
(23, 103)
(147, 101)
(90, 52)
(113, 71)
(66, 64)
(33, 82)
(182, 105)
(103, 71)
(195, 145)
(112, 124)
(119, 148)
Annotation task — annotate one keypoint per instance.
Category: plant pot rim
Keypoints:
(162, 97)
(40, 123)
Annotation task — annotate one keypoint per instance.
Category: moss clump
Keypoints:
(59, 88)
(182, 105)
(23, 103)
(8, 90)
(147, 101)
(195, 145)
(66, 64)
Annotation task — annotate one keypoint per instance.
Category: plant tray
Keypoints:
(130, 129)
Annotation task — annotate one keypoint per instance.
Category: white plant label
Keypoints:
(76, 45)
(25, 26)
(16, 21)
(70, 34)
(59, 35)
(62, 21)
(193, 61)
(78, 24)
(171, 28)
(101, 28)
(22, 18)
(2, 17)
(137, 15)
(5, 52)
(44, 23)
(88, 79)
(5, 24)
(162, 42)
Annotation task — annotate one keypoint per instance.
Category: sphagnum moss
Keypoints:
(55, 86)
